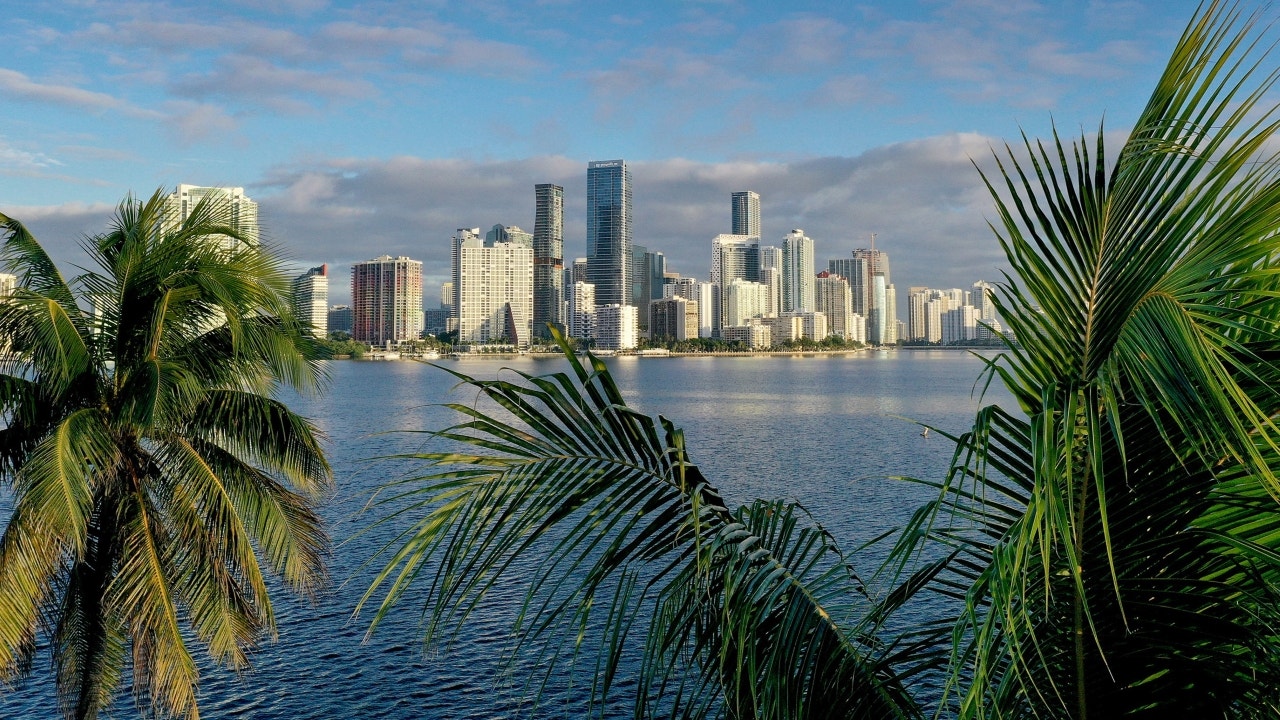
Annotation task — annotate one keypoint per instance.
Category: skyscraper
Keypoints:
(871, 296)
(548, 257)
(609, 231)
(386, 300)
(494, 289)
(797, 272)
(244, 212)
(746, 213)
(733, 257)
(310, 299)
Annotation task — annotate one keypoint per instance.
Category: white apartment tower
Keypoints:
(833, 298)
(244, 212)
(309, 295)
(581, 312)
(797, 272)
(617, 327)
(732, 257)
(493, 286)
(744, 300)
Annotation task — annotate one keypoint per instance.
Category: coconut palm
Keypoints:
(1124, 551)
(1113, 544)
(151, 470)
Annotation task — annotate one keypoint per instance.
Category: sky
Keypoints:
(373, 128)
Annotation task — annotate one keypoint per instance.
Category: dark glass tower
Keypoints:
(746, 213)
(548, 257)
(609, 231)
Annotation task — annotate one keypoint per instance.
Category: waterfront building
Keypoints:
(339, 319)
(744, 300)
(890, 330)
(757, 335)
(797, 272)
(648, 269)
(873, 294)
(435, 321)
(786, 327)
(309, 295)
(732, 257)
(959, 325)
(616, 327)
(244, 212)
(704, 294)
(609, 230)
(746, 213)
(581, 314)
(858, 328)
(494, 288)
(833, 298)
(673, 317)
(980, 296)
(934, 309)
(386, 300)
(917, 296)
(548, 257)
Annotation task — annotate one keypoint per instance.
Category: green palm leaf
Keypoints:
(750, 613)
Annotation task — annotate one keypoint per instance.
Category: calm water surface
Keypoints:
(824, 430)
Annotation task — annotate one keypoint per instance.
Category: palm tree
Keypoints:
(151, 469)
(1113, 544)
(1124, 552)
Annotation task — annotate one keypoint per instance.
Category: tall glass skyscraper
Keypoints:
(746, 213)
(548, 257)
(609, 231)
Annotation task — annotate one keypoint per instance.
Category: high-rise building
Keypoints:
(673, 317)
(616, 327)
(310, 299)
(870, 295)
(746, 213)
(548, 257)
(339, 319)
(508, 234)
(916, 298)
(797, 272)
(609, 230)
(8, 283)
(581, 316)
(243, 211)
(833, 298)
(733, 257)
(704, 294)
(744, 300)
(494, 289)
(771, 276)
(386, 300)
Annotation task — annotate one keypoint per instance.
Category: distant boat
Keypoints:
(925, 434)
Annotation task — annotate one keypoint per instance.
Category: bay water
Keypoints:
(827, 430)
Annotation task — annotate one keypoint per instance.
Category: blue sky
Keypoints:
(372, 128)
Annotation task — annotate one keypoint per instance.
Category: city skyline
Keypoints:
(855, 120)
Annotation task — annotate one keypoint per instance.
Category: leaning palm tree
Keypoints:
(151, 470)
(1113, 544)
